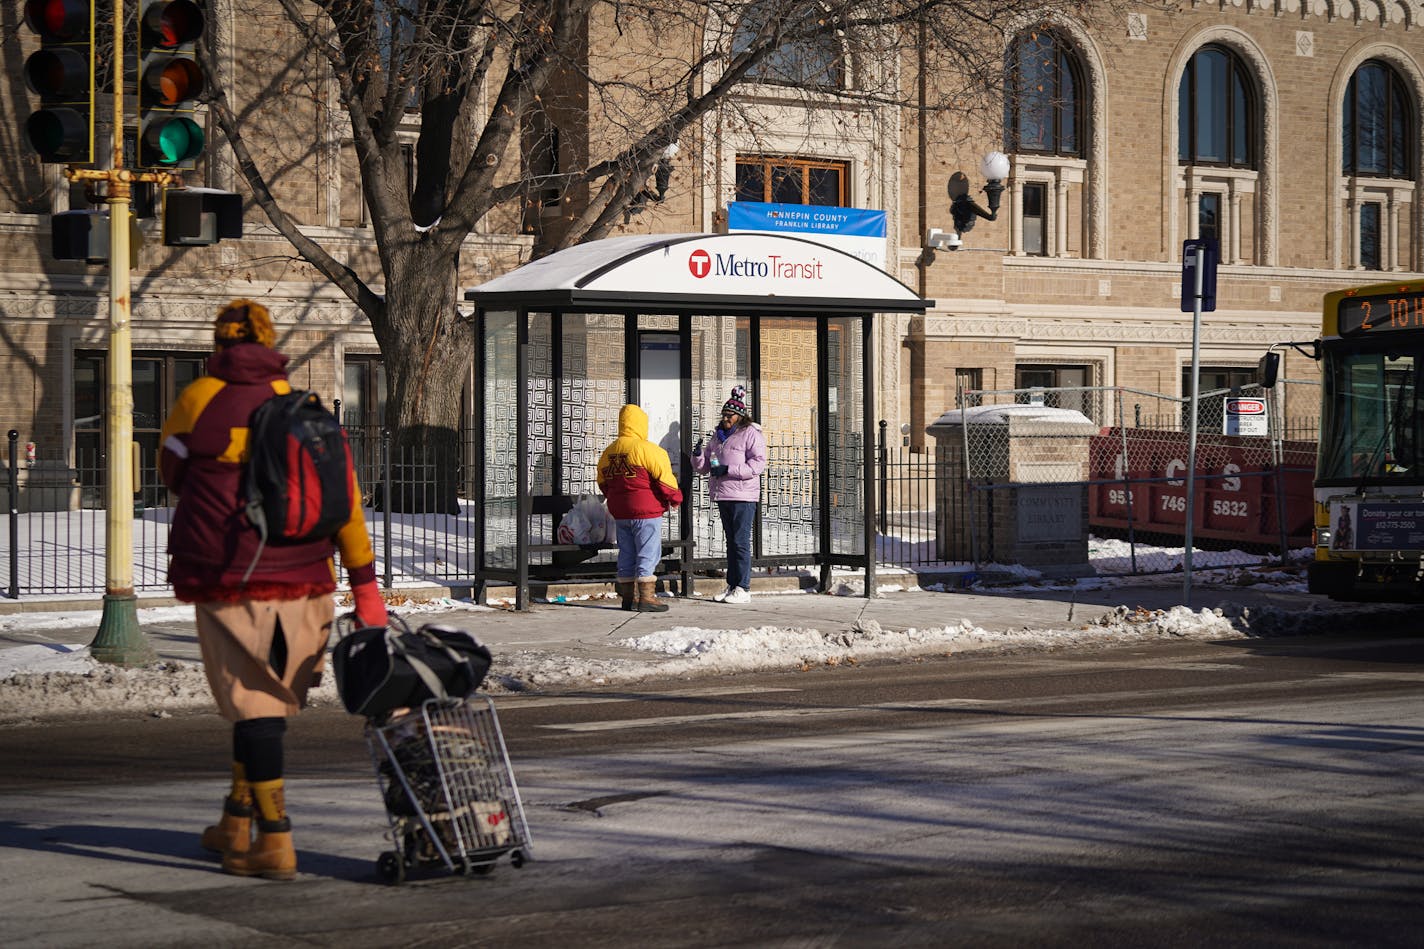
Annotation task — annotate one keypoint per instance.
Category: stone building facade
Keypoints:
(1289, 130)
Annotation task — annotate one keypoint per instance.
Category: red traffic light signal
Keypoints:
(61, 73)
(171, 24)
(170, 82)
(60, 21)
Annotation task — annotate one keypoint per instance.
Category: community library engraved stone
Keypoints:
(1050, 513)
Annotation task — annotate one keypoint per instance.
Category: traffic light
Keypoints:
(84, 235)
(170, 81)
(196, 216)
(61, 72)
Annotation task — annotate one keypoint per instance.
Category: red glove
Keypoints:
(370, 608)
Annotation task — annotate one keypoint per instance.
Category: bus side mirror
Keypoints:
(1268, 370)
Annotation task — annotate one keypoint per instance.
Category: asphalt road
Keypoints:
(1249, 792)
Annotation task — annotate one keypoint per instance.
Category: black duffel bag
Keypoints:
(380, 668)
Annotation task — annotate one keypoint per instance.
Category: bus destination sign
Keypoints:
(1381, 313)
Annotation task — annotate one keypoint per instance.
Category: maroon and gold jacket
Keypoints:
(634, 473)
(211, 543)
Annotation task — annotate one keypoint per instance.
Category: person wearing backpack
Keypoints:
(264, 610)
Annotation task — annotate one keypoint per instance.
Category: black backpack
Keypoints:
(297, 481)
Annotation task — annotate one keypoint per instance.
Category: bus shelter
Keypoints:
(672, 323)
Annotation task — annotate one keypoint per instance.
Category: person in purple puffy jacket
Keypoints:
(734, 455)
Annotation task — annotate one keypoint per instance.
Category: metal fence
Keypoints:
(995, 486)
(1099, 476)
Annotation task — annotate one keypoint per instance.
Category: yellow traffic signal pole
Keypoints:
(120, 640)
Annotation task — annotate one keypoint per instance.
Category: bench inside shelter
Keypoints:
(584, 562)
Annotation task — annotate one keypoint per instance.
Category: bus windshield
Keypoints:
(1372, 423)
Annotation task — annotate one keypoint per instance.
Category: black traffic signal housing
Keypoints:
(61, 73)
(80, 235)
(84, 235)
(170, 82)
(196, 216)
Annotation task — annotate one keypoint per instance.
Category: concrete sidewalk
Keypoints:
(591, 628)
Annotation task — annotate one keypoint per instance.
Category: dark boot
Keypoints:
(627, 593)
(648, 596)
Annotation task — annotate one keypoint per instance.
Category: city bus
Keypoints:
(1369, 470)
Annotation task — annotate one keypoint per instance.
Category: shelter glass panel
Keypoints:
(594, 390)
(845, 452)
(659, 374)
(789, 413)
(719, 348)
(543, 433)
(501, 425)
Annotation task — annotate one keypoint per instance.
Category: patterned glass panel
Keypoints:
(788, 411)
(845, 454)
(717, 350)
(594, 392)
(542, 433)
(500, 374)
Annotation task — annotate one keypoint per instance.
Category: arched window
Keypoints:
(813, 58)
(1044, 111)
(1216, 111)
(1378, 124)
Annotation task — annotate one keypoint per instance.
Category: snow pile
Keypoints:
(53, 681)
(688, 651)
(49, 680)
(87, 687)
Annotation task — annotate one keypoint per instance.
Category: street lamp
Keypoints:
(962, 208)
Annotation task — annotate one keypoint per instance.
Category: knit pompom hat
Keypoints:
(243, 321)
(738, 402)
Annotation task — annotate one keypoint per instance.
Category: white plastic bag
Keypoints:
(588, 524)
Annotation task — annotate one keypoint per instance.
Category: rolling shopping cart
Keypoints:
(440, 757)
(448, 788)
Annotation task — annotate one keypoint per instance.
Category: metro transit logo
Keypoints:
(699, 263)
(773, 267)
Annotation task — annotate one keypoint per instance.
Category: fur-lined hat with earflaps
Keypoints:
(244, 321)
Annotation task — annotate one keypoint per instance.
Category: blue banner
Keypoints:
(804, 219)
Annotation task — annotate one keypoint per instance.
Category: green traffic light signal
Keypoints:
(170, 82)
(61, 73)
(173, 141)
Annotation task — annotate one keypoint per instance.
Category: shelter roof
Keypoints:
(768, 274)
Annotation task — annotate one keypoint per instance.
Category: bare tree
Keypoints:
(517, 104)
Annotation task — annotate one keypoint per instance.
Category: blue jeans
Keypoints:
(640, 547)
(738, 517)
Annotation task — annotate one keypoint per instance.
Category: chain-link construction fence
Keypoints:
(1096, 480)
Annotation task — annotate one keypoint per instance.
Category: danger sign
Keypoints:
(1244, 417)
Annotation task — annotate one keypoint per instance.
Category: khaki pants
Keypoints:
(237, 643)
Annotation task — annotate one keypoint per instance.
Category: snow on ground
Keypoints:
(47, 679)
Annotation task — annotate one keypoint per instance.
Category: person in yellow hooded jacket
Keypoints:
(635, 475)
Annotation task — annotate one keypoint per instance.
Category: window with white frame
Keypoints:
(1378, 155)
(1044, 200)
(1217, 202)
(1045, 132)
(1218, 150)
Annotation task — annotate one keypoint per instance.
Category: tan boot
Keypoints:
(233, 831)
(648, 596)
(626, 592)
(271, 856)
